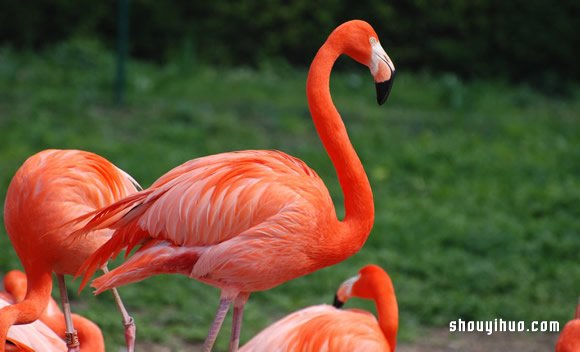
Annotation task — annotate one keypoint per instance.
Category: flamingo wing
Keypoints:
(321, 328)
(208, 202)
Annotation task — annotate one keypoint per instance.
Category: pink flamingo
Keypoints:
(569, 340)
(250, 220)
(49, 190)
(326, 328)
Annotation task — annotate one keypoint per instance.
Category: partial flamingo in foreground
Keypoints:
(327, 328)
(48, 191)
(89, 334)
(36, 336)
(569, 340)
(250, 220)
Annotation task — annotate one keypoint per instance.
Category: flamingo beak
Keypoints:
(384, 89)
(382, 69)
(337, 302)
(344, 292)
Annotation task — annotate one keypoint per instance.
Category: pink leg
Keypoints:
(128, 322)
(71, 337)
(239, 303)
(217, 324)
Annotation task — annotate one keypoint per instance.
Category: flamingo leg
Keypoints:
(217, 324)
(71, 337)
(239, 304)
(128, 321)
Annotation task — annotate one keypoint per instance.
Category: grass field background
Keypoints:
(476, 185)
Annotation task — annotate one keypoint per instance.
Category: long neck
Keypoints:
(28, 310)
(358, 197)
(387, 311)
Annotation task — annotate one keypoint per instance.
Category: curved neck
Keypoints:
(358, 197)
(387, 310)
(34, 303)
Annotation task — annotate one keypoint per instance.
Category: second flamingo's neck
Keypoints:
(358, 197)
(387, 311)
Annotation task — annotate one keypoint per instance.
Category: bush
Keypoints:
(534, 41)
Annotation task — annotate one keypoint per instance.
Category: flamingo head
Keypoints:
(359, 40)
(361, 285)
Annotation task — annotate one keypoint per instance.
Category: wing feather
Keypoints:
(207, 201)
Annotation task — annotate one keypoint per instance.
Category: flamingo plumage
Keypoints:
(569, 339)
(49, 190)
(328, 328)
(250, 220)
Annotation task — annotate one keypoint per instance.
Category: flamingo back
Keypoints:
(49, 190)
(321, 328)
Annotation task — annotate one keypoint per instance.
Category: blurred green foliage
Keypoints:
(535, 40)
(476, 184)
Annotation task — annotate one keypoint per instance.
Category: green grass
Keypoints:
(476, 185)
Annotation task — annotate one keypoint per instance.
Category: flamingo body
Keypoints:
(246, 221)
(321, 328)
(49, 190)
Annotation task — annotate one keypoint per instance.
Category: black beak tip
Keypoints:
(384, 89)
(337, 303)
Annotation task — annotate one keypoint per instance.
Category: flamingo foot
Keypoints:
(72, 341)
(130, 333)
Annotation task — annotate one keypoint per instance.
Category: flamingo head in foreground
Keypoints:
(360, 41)
(361, 286)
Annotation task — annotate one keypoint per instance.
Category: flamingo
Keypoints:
(250, 220)
(89, 334)
(327, 328)
(569, 340)
(51, 188)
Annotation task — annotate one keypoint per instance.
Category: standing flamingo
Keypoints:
(326, 328)
(250, 220)
(89, 334)
(569, 340)
(49, 190)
